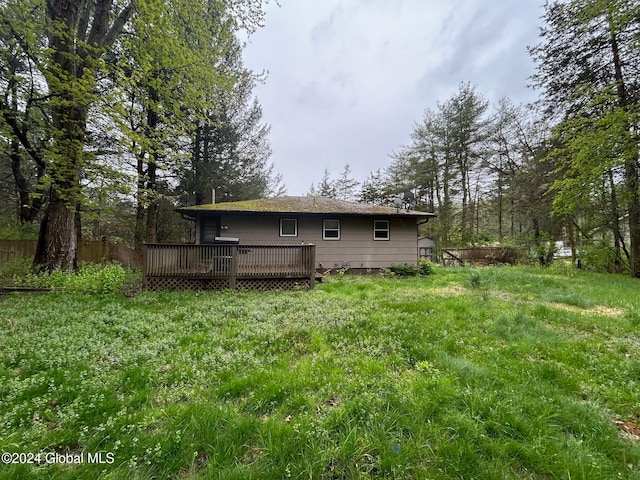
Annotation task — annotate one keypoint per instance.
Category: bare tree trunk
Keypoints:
(58, 238)
(138, 234)
(631, 173)
(71, 76)
(152, 207)
(29, 205)
(633, 185)
(57, 243)
(571, 231)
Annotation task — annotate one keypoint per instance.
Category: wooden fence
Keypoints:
(89, 251)
(228, 266)
(480, 256)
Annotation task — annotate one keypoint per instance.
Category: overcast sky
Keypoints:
(347, 79)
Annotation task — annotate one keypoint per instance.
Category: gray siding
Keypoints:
(356, 246)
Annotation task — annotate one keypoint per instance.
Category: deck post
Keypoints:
(312, 266)
(233, 267)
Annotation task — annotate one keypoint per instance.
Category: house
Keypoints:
(346, 235)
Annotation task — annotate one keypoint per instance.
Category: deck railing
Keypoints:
(229, 261)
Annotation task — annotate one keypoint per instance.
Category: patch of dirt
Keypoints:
(599, 310)
(628, 429)
(450, 291)
(331, 403)
(607, 311)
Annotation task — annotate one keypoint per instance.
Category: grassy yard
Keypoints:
(468, 374)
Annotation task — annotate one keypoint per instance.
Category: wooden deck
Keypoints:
(200, 267)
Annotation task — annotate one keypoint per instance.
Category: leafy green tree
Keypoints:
(465, 113)
(587, 63)
(164, 75)
(185, 106)
(64, 43)
(153, 77)
(23, 115)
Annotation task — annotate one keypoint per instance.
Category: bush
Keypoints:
(423, 268)
(11, 229)
(600, 257)
(405, 270)
(16, 268)
(90, 278)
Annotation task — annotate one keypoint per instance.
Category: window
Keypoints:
(381, 229)
(331, 229)
(288, 227)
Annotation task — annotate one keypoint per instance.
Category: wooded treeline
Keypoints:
(564, 168)
(114, 111)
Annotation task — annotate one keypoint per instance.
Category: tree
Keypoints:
(23, 112)
(64, 43)
(183, 105)
(326, 187)
(443, 164)
(587, 64)
(345, 186)
(375, 190)
(163, 76)
(230, 151)
(468, 129)
(519, 193)
(78, 54)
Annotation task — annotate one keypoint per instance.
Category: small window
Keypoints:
(381, 229)
(331, 229)
(288, 227)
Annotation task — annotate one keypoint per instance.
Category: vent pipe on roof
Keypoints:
(209, 196)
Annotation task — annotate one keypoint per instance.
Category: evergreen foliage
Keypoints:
(98, 103)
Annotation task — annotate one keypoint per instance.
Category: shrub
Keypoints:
(475, 281)
(386, 272)
(600, 257)
(17, 268)
(90, 278)
(544, 253)
(11, 229)
(405, 270)
(425, 267)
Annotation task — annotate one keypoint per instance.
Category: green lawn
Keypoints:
(467, 374)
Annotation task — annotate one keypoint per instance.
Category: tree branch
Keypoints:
(118, 25)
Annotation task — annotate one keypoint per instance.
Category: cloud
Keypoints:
(348, 78)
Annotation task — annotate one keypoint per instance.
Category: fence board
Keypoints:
(88, 251)
(483, 255)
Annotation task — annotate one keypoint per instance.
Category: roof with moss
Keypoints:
(300, 205)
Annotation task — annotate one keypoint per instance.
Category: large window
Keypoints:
(331, 229)
(288, 227)
(381, 229)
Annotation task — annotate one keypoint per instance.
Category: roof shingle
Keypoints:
(301, 205)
